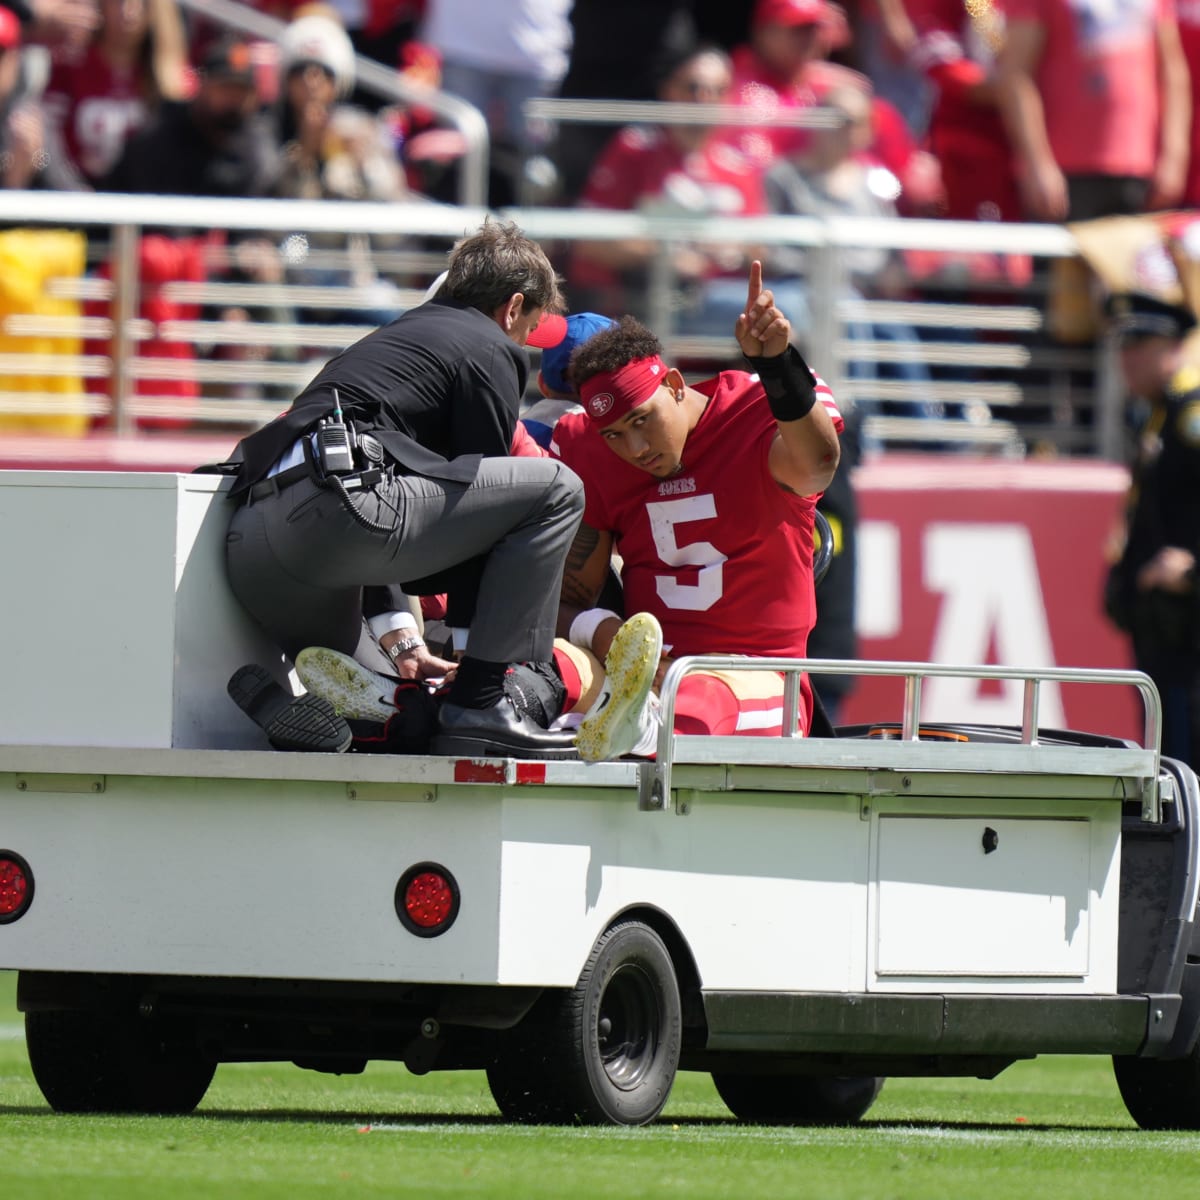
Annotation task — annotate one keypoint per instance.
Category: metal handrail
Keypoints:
(657, 789)
(421, 219)
(824, 241)
(661, 112)
(375, 77)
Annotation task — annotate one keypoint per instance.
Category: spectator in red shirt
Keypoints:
(955, 47)
(1188, 15)
(675, 168)
(784, 67)
(99, 96)
(1096, 99)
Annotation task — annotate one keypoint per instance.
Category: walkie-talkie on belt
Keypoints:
(335, 442)
(333, 456)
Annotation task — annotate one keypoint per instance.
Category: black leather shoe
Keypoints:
(497, 732)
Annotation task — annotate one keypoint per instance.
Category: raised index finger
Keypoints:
(755, 284)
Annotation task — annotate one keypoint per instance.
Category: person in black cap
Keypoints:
(1151, 591)
(218, 143)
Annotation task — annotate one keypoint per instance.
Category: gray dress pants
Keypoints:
(297, 561)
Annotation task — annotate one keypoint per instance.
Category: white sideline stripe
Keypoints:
(1129, 1141)
(12, 1031)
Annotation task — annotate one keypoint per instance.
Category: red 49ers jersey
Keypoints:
(97, 108)
(719, 553)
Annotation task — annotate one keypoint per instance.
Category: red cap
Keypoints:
(550, 331)
(791, 12)
(10, 30)
(609, 395)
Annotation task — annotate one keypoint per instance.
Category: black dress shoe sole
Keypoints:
(307, 724)
(453, 745)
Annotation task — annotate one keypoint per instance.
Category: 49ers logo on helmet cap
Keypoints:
(608, 395)
(601, 405)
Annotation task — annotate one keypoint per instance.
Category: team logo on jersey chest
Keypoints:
(600, 404)
(677, 487)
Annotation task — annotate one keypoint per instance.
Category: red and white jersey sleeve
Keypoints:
(826, 400)
(719, 553)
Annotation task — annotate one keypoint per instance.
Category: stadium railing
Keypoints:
(1018, 387)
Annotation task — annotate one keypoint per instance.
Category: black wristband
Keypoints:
(790, 386)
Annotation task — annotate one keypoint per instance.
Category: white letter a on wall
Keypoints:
(992, 600)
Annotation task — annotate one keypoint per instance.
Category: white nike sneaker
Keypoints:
(354, 691)
(624, 718)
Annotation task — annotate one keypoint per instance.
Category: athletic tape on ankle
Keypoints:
(584, 627)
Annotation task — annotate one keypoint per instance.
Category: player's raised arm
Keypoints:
(805, 455)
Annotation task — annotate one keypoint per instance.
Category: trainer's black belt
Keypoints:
(274, 484)
(369, 454)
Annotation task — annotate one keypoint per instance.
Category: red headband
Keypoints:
(608, 396)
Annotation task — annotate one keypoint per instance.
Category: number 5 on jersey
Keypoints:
(665, 515)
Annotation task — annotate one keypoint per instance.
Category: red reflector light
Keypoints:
(16, 886)
(427, 899)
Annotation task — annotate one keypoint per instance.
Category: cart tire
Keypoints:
(607, 1050)
(1161, 1094)
(106, 1062)
(516, 1080)
(797, 1099)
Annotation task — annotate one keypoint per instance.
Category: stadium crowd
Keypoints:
(992, 110)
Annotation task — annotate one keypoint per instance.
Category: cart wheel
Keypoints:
(797, 1099)
(605, 1052)
(1161, 1094)
(108, 1062)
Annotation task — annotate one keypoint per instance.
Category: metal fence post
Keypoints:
(1109, 440)
(124, 308)
(660, 291)
(824, 295)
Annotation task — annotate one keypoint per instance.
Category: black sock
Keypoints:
(478, 684)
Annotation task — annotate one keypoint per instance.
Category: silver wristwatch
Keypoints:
(404, 644)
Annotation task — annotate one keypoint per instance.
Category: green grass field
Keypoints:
(1052, 1128)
